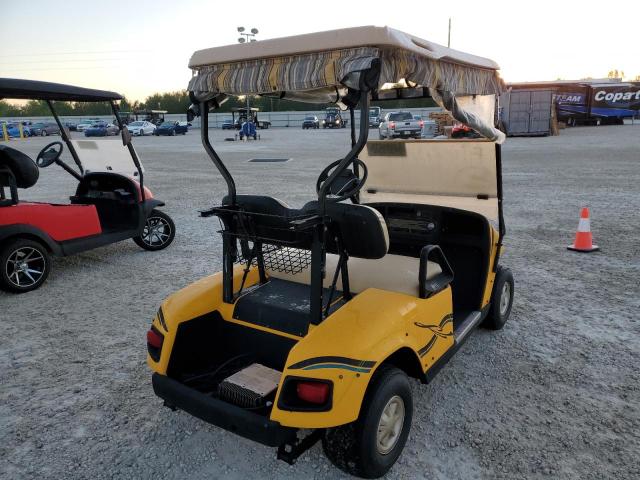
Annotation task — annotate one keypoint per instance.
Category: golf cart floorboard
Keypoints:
(281, 305)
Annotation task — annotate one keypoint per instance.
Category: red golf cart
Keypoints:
(110, 204)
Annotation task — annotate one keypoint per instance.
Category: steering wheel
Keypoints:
(49, 155)
(344, 186)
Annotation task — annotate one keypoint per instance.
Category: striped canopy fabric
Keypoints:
(297, 68)
(337, 69)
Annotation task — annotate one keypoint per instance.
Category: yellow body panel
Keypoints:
(381, 321)
(371, 327)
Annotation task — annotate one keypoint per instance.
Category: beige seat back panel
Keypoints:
(394, 273)
(438, 168)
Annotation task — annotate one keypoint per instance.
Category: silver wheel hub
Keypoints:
(505, 298)
(156, 231)
(390, 425)
(25, 267)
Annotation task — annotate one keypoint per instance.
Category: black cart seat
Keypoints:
(20, 166)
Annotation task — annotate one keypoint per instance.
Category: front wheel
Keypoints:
(370, 446)
(141, 133)
(501, 300)
(25, 265)
(43, 133)
(158, 232)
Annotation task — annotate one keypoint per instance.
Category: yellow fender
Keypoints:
(348, 347)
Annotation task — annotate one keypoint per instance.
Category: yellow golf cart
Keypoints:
(321, 314)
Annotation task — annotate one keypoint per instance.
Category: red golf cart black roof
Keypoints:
(36, 90)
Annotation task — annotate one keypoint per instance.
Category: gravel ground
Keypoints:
(555, 394)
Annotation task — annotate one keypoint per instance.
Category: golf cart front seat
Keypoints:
(364, 235)
(17, 170)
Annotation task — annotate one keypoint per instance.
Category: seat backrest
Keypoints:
(361, 229)
(24, 169)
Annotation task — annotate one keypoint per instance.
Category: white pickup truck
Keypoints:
(400, 124)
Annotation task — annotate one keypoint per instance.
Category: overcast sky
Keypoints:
(140, 47)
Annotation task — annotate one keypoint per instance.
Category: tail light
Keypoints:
(421, 124)
(154, 343)
(313, 392)
(301, 394)
(392, 125)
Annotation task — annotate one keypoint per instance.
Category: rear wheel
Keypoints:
(370, 446)
(43, 132)
(25, 265)
(501, 300)
(158, 232)
(141, 133)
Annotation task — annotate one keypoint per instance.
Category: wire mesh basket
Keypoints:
(278, 258)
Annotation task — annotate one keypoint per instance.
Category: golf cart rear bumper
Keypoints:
(224, 415)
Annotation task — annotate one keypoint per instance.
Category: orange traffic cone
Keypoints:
(584, 240)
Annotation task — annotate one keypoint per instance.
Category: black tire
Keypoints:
(141, 132)
(32, 254)
(354, 448)
(162, 238)
(173, 133)
(502, 290)
(43, 133)
(380, 136)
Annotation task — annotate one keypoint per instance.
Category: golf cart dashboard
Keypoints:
(412, 226)
(105, 186)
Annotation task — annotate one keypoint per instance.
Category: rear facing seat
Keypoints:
(395, 273)
(364, 235)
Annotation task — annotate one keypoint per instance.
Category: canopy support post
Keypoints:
(217, 161)
(66, 139)
(501, 226)
(318, 249)
(352, 118)
(132, 151)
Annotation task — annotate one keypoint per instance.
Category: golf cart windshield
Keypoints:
(96, 155)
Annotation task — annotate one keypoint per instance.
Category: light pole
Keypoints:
(247, 37)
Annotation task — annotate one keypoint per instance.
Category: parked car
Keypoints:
(84, 124)
(375, 116)
(172, 128)
(310, 122)
(101, 129)
(334, 119)
(400, 124)
(72, 126)
(45, 128)
(141, 127)
(13, 130)
(227, 124)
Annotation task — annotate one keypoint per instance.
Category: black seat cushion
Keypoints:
(24, 169)
(361, 229)
(263, 204)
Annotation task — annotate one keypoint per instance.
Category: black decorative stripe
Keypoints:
(161, 319)
(437, 333)
(343, 360)
(424, 350)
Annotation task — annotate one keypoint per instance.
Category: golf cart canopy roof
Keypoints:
(330, 59)
(325, 66)
(36, 90)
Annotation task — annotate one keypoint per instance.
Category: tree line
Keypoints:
(175, 102)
